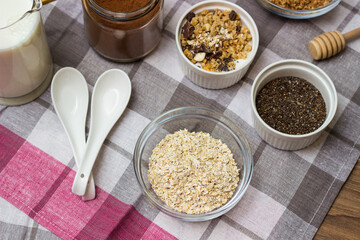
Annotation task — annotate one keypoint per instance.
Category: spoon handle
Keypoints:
(110, 97)
(83, 174)
(90, 192)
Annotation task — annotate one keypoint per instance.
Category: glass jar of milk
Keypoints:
(26, 66)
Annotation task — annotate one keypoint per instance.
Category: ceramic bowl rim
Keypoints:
(333, 103)
(253, 29)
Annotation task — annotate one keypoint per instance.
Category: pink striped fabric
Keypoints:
(40, 186)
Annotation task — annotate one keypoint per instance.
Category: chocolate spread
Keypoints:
(123, 39)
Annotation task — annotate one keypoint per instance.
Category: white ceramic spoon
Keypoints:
(110, 97)
(70, 96)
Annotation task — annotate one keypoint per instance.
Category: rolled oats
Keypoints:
(193, 172)
(217, 34)
(301, 4)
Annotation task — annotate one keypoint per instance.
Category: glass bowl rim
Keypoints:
(240, 138)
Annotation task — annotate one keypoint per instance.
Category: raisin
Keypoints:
(233, 15)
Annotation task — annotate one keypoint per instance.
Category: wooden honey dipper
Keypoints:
(331, 43)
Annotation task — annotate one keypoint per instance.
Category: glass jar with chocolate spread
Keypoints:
(123, 31)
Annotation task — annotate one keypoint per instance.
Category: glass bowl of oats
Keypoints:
(193, 163)
(296, 9)
(216, 42)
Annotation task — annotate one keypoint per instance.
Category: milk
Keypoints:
(25, 61)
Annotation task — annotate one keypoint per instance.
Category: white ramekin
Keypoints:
(215, 80)
(312, 74)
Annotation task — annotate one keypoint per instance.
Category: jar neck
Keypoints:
(122, 16)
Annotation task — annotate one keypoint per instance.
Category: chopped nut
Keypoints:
(188, 54)
(207, 27)
(199, 56)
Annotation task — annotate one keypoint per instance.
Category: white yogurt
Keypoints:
(25, 60)
(240, 63)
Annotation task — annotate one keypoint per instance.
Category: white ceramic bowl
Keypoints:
(312, 74)
(217, 80)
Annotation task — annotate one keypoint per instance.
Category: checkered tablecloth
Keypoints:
(289, 195)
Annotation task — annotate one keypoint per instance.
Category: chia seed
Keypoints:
(291, 105)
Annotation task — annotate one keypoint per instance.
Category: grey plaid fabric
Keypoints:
(291, 191)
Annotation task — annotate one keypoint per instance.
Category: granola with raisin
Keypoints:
(215, 39)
